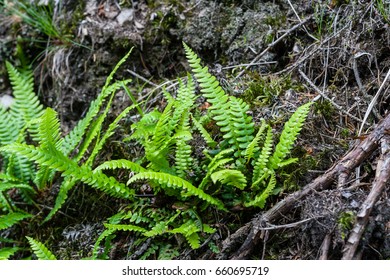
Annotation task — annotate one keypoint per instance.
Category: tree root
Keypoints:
(258, 229)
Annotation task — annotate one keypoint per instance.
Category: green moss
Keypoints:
(345, 222)
(276, 22)
(324, 108)
(264, 90)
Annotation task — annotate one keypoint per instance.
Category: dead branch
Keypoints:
(252, 231)
(382, 176)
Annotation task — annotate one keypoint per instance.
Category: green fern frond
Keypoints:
(215, 163)
(206, 136)
(26, 106)
(242, 133)
(62, 195)
(183, 102)
(167, 95)
(105, 234)
(228, 112)
(10, 219)
(144, 128)
(125, 228)
(9, 131)
(163, 130)
(109, 132)
(176, 182)
(253, 146)
(260, 164)
(120, 164)
(20, 168)
(77, 134)
(138, 218)
(209, 86)
(49, 130)
(190, 231)
(5, 186)
(111, 76)
(56, 160)
(289, 134)
(158, 229)
(7, 252)
(259, 200)
(183, 158)
(230, 177)
(40, 250)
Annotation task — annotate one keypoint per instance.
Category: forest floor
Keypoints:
(276, 56)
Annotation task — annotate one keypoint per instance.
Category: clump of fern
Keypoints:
(17, 125)
(151, 231)
(73, 155)
(241, 168)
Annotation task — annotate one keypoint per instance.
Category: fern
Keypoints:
(176, 182)
(62, 195)
(215, 163)
(230, 177)
(190, 231)
(109, 132)
(253, 146)
(10, 219)
(40, 250)
(21, 117)
(228, 112)
(259, 200)
(260, 165)
(126, 228)
(122, 164)
(206, 136)
(8, 128)
(289, 134)
(183, 158)
(7, 252)
(56, 160)
(26, 106)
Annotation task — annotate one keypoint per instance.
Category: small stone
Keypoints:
(125, 15)
(6, 101)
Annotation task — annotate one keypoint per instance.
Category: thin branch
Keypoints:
(271, 45)
(381, 178)
(321, 93)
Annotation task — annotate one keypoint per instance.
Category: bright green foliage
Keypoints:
(26, 106)
(40, 250)
(53, 152)
(230, 177)
(260, 165)
(18, 120)
(289, 134)
(228, 112)
(7, 252)
(16, 124)
(259, 200)
(253, 146)
(206, 136)
(120, 163)
(176, 182)
(54, 159)
(10, 219)
(237, 166)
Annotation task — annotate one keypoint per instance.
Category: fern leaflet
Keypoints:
(40, 250)
(289, 134)
(259, 200)
(10, 219)
(176, 182)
